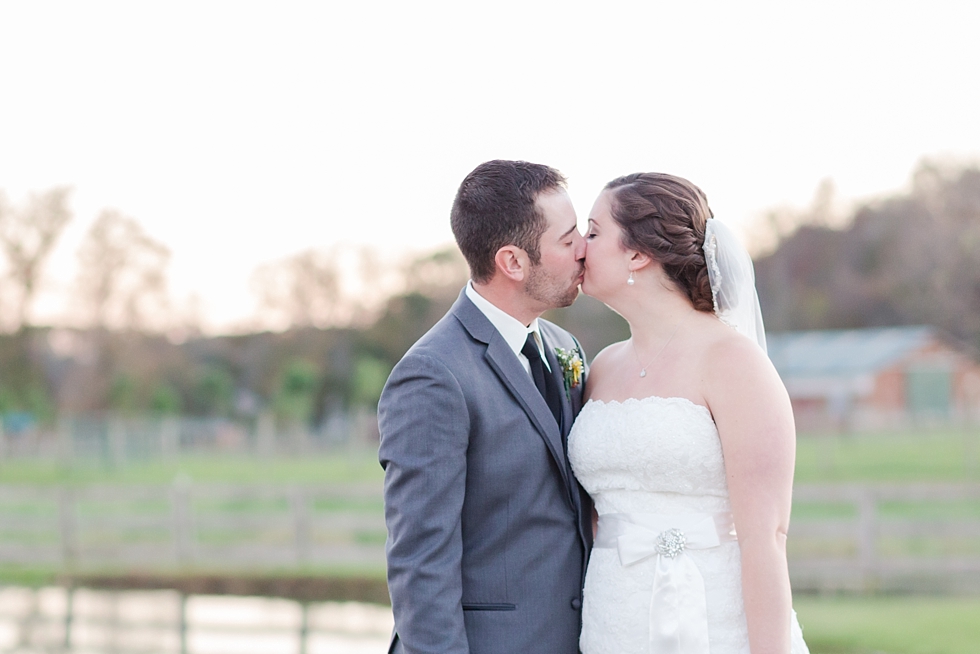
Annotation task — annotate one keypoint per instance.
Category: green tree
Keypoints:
(165, 399)
(124, 394)
(370, 375)
(296, 392)
(215, 391)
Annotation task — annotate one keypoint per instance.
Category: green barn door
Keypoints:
(928, 391)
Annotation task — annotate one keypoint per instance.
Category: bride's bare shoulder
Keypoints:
(729, 356)
(607, 357)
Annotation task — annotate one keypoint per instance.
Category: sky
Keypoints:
(239, 133)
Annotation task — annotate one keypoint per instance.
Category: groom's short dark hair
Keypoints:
(494, 207)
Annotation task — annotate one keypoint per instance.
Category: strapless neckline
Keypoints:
(651, 399)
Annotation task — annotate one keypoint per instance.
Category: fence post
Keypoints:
(265, 434)
(169, 437)
(65, 444)
(66, 525)
(69, 614)
(301, 523)
(117, 441)
(182, 527)
(182, 623)
(867, 536)
(304, 626)
(826, 452)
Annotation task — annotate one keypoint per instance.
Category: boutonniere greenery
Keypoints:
(571, 367)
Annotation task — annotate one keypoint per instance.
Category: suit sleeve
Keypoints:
(424, 427)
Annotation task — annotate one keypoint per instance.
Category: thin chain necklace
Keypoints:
(643, 368)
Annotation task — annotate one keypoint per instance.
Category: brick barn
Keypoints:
(890, 377)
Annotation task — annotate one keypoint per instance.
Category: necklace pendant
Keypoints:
(643, 373)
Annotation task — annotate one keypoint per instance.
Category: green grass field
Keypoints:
(890, 625)
(950, 455)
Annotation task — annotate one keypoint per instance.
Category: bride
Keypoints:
(687, 441)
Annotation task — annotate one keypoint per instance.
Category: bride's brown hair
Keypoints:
(664, 216)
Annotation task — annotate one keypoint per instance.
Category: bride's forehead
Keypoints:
(601, 208)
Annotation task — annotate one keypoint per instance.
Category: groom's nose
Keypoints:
(579, 247)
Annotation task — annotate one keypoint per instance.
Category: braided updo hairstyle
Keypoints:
(664, 217)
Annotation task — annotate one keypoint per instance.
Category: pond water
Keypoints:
(85, 621)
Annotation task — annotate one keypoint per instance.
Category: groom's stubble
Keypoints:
(550, 290)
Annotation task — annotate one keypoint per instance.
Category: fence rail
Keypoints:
(890, 537)
(116, 439)
(197, 525)
(858, 536)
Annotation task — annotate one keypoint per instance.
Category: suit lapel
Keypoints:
(512, 374)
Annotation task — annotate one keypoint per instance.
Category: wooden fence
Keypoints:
(197, 526)
(857, 537)
(886, 537)
(117, 440)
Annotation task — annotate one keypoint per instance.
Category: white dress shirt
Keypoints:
(514, 333)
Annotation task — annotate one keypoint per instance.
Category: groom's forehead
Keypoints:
(557, 209)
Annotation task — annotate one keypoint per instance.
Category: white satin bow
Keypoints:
(678, 610)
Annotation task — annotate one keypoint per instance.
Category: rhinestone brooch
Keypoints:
(671, 542)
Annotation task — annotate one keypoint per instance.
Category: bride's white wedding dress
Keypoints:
(653, 465)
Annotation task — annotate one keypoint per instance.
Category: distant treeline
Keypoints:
(912, 258)
(908, 259)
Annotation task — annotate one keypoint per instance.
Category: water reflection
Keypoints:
(83, 621)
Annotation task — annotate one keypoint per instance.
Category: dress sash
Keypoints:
(678, 609)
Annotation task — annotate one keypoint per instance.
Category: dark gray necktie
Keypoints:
(546, 385)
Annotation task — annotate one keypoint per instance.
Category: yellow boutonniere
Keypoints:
(571, 367)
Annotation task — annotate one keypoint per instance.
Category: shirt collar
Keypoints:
(513, 331)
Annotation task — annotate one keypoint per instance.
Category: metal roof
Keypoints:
(845, 351)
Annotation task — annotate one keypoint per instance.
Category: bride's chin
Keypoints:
(587, 289)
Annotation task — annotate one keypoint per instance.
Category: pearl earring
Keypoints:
(630, 281)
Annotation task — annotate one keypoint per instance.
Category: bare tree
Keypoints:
(26, 239)
(440, 273)
(776, 225)
(122, 278)
(302, 290)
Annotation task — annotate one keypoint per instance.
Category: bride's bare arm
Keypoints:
(758, 436)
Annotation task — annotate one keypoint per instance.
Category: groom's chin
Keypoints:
(568, 299)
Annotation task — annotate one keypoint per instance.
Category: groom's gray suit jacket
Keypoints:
(488, 531)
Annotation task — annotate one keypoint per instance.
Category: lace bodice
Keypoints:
(656, 454)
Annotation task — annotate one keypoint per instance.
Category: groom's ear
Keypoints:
(512, 262)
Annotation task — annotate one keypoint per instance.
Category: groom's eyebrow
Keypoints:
(571, 229)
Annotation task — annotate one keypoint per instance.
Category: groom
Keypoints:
(488, 531)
